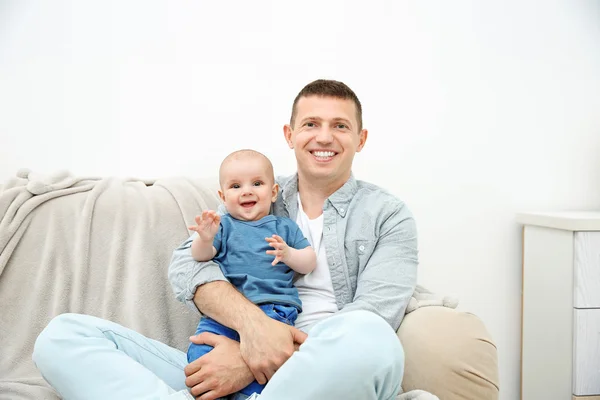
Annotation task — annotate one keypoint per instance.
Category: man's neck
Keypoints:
(313, 194)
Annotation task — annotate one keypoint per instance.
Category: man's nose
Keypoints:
(324, 135)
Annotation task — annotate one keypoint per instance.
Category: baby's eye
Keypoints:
(258, 183)
(235, 186)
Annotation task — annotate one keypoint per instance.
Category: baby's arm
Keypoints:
(203, 250)
(302, 261)
(206, 226)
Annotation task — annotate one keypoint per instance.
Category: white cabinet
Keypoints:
(560, 353)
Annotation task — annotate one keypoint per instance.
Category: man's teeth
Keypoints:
(324, 153)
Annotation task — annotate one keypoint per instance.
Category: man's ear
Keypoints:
(287, 133)
(222, 196)
(362, 139)
(274, 193)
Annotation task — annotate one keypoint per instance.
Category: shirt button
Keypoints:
(342, 210)
(361, 247)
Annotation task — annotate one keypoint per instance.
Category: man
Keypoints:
(353, 302)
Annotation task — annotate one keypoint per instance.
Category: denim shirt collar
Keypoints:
(340, 199)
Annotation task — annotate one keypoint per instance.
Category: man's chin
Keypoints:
(322, 172)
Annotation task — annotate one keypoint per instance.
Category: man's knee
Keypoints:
(369, 338)
(48, 343)
(381, 346)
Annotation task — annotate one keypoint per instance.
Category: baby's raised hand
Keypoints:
(207, 225)
(282, 250)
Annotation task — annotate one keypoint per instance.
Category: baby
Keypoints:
(257, 252)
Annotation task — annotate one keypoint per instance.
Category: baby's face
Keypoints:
(247, 188)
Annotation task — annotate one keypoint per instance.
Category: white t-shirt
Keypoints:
(315, 288)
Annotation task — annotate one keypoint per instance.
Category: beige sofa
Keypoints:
(102, 247)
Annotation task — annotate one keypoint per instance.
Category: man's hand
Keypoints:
(266, 344)
(218, 373)
(207, 225)
(282, 250)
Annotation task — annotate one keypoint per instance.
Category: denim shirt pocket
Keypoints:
(358, 252)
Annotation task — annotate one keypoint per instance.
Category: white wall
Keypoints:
(475, 110)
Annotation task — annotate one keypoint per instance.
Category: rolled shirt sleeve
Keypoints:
(389, 278)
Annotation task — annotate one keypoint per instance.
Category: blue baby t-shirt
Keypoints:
(241, 254)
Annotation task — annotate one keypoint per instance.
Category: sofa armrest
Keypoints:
(450, 354)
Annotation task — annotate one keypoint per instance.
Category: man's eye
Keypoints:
(310, 124)
(342, 126)
(257, 183)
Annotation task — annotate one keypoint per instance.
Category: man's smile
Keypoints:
(321, 155)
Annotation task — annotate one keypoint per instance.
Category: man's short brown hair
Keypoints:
(328, 88)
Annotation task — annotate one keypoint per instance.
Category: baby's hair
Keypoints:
(247, 153)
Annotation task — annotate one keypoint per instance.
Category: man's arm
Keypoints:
(389, 278)
(223, 303)
(265, 344)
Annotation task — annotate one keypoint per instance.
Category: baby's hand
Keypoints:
(207, 225)
(282, 250)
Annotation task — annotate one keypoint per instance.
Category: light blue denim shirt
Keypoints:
(370, 239)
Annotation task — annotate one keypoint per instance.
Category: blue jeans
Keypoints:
(351, 355)
(278, 312)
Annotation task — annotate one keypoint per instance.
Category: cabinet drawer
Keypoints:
(586, 352)
(587, 269)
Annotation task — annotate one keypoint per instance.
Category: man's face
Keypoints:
(325, 137)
